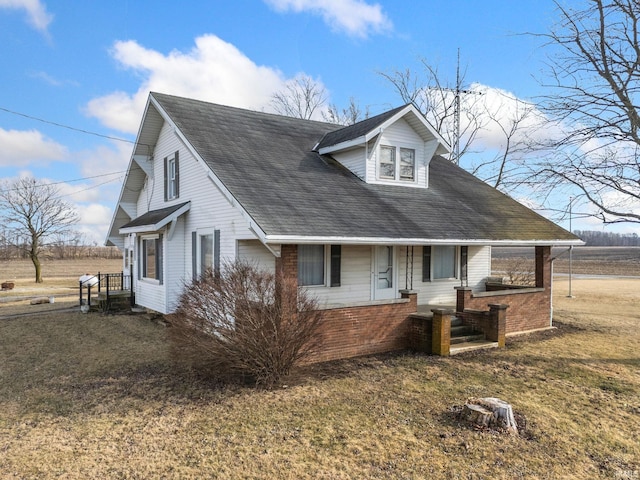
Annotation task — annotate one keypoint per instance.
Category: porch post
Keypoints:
(287, 263)
(441, 336)
(287, 271)
(543, 267)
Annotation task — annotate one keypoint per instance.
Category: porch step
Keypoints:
(463, 334)
(471, 346)
(474, 337)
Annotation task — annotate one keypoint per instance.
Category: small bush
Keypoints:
(520, 271)
(245, 321)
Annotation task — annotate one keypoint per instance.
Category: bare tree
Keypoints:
(34, 212)
(301, 97)
(493, 125)
(345, 116)
(594, 76)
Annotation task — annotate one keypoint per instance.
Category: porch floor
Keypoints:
(425, 309)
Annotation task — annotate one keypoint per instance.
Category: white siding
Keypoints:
(442, 292)
(400, 134)
(254, 251)
(355, 281)
(354, 160)
(209, 210)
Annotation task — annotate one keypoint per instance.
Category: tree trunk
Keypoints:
(38, 267)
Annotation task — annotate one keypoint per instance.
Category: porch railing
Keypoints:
(110, 284)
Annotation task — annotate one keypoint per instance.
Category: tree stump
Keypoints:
(490, 412)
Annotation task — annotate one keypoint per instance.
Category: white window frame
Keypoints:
(326, 253)
(397, 155)
(172, 186)
(143, 259)
(204, 233)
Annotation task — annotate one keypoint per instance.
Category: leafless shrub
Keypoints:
(244, 321)
(519, 271)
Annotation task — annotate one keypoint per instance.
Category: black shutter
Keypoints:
(139, 256)
(166, 178)
(194, 255)
(216, 252)
(159, 259)
(177, 176)
(464, 259)
(426, 263)
(336, 260)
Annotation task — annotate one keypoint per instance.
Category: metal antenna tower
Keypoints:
(456, 113)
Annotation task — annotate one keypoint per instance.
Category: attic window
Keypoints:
(390, 169)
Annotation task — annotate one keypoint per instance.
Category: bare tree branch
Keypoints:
(594, 72)
(300, 98)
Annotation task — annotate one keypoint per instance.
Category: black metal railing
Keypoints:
(109, 283)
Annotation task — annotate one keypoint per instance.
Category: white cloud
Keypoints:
(24, 147)
(355, 17)
(37, 14)
(94, 214)
(213, 70)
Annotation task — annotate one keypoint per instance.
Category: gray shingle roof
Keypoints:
(357, 130)
(267, 163)
(153, 217)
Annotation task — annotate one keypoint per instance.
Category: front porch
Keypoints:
(476, 319)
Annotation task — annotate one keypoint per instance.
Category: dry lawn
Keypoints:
(94, 396)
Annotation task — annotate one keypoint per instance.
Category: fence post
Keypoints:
(89, 294)
(99, 282)
(80, 283)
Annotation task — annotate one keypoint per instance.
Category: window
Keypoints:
(438, 262)
(387, 162)
(444, 262)
(171, 177)
(407, 164)
(390, 169)
(206, 252)
(311, 265)
(152, 258)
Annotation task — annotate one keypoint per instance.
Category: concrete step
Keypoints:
(467, 338)
(471, 346)
(461, 330)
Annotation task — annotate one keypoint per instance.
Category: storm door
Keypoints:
(384, 274)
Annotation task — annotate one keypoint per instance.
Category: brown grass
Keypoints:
(94, 396)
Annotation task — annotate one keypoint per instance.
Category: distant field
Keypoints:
(67, 268)
(623, 261)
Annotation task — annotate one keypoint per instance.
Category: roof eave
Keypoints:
(295, 239)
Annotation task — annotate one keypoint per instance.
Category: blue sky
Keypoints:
(90, 66)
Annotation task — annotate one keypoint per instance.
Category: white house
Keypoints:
(363, 215)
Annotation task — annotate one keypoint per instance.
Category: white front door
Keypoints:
(384, 272)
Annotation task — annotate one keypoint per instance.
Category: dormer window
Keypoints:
(391, 169)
